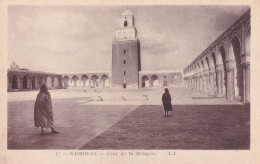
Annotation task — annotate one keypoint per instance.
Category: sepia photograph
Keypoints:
(117, 77)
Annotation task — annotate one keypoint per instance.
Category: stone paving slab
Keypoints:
(80, 116)
(124, 97)
(188, 127)
(76, 123)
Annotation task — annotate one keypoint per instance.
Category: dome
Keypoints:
(127, 12)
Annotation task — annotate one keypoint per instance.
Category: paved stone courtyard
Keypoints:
(115, 119)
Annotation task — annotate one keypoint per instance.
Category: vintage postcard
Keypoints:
(130, 82)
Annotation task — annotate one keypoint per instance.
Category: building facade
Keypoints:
(126, 62)
(223, 68)
(126, 68)
(87, 79)
(157, 79)
(24, 80)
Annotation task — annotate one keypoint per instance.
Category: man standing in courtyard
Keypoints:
(43, 113)
(166, 99)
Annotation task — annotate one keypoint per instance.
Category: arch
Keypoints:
(105, 81)
(176, 78)
(144, 81)
(235, 39)
(155, 81)
(74, 80)
(223, 79)
(207, 62)
(25, 81)
(202, 63)
(199, 67)
(14, 82)
(41, 81)
(94, 81)
(219, 59)
(66, 81)
(213, 61)
(235, 51)
(125, 23)
(84, 78)
(56, 82)
(247, 44)
(49, 82)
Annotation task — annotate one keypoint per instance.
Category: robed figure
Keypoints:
(43, 113)
(166, 100)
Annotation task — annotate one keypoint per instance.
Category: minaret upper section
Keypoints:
(126, 30)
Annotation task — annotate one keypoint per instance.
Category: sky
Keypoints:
(63, 39)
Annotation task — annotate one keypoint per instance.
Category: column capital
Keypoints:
(245, 58)
(246, 65)
(219, 67)
(230, 64)
(230, 70)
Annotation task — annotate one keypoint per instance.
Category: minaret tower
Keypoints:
(126, 62)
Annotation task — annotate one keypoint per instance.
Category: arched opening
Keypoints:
(238, 70)
(84, 78)
(145, 81)
(125, 23)
(56, 82)
(14, 82)
(94, 81)
(74, 80)
(49, 82)
(105, 81)
(207, 61)
(25, 82)
(248, 42)
(214, 59)
(66, 81)
(223, 80)
(41, 81)
(155, 81)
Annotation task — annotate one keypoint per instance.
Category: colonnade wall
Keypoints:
(29, 80)
(223, 68)
(89, 80)
(157, 80)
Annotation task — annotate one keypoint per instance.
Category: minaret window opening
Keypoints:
(124, 61)
(124, 73)
(125, 23)
(124, 51)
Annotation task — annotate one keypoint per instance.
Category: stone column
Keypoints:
(211, 82)
(201, 83)
(198, 83)
(230, 84)
(52, 82)
(219, 80)
(18, 83)
(29, 83)
(247, 83)
(206, 82)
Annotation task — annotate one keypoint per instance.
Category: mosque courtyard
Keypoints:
(129, 119)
